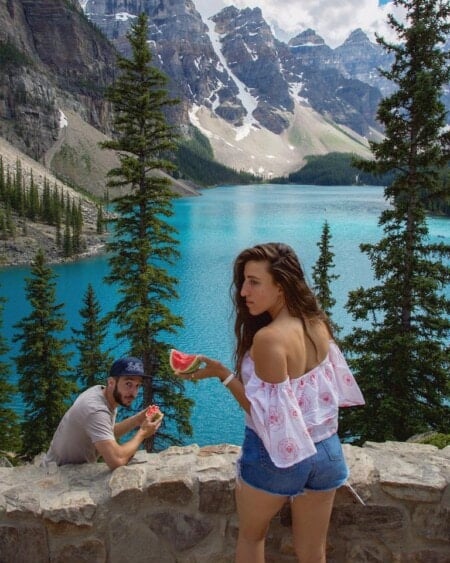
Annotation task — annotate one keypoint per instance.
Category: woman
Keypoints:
(291, 380)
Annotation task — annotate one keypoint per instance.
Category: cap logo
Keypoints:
(134, 366)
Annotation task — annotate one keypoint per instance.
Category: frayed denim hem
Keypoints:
(240, 480)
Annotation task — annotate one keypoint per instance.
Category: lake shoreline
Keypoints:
(20, 251)
(212, 229)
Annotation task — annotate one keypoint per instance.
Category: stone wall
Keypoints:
(178, 507)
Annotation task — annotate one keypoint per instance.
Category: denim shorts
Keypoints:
(324, 471)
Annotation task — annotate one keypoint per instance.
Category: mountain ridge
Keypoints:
(238, 72)
(262, 104)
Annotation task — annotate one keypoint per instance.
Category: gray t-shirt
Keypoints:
(87, 421)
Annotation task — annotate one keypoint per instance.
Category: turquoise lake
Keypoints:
(213, 229)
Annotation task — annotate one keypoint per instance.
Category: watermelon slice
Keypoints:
(180, 362)
(153, 412)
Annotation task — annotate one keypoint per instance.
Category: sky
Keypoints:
(333, 20)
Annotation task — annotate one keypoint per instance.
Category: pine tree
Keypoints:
(9, 423)
(402, 358)
(67, 240)
(100, 220)
(46, 203)
(42, 363)
(322, 277)
(144, 242)
(33, 200)
(10, 225)
(93, 362)
(2, 180)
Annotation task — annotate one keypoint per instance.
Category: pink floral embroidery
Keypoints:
(276, 417)
(292, 430)
(288, 449)
(304, 403)
(325, 398)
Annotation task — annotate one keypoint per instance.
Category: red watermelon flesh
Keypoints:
(180, 362)
(153, 412)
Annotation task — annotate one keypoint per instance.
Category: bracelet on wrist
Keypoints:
(228, 379)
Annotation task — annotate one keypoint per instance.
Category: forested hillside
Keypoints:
(338, 169)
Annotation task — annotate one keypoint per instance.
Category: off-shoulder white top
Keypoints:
(291, 416)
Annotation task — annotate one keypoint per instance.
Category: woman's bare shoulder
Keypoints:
(270, 335)
(269, 355)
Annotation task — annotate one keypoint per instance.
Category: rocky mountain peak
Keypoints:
(306, 38)
(357, 38)
(359, 58)
(250, 49)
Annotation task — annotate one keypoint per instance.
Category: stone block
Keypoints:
(131, 540)
(370, 517)
(76, 507)
(183, 531)
(23, 544)
(216, 496)
(432, 522)
(172, 490)
(87, 551)
(127, 478)
(408, 471)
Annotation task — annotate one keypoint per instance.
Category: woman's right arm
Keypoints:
(213, 368)
(238, 390)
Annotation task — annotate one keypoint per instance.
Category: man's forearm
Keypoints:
(116, 455)
(129, 448)
(128, 424)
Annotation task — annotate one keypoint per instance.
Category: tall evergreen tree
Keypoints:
(42, 362)
(321, 274)
(9, 423)
(100, 220)
(144, 242)
(402, 358)
(67, 240)
(93, 362)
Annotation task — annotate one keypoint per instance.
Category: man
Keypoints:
(89, 429)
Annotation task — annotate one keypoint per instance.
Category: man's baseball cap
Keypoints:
(130, 366)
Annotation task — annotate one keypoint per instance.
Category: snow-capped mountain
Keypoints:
(264, 104)
(245, 89)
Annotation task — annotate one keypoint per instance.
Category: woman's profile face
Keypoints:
(259, 290)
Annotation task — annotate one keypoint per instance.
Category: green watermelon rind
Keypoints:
(190, 369)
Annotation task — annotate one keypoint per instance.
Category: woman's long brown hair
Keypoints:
(285, 268)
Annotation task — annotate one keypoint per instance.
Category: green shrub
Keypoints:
(437, 439)
(10, 56)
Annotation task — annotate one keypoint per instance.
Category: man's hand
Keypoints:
(116, 454)
(149, 427)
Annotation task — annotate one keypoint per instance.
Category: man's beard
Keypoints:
(118, 397)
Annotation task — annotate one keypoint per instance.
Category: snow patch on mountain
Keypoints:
(248, 100)
(270, 155)
(124, 16)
